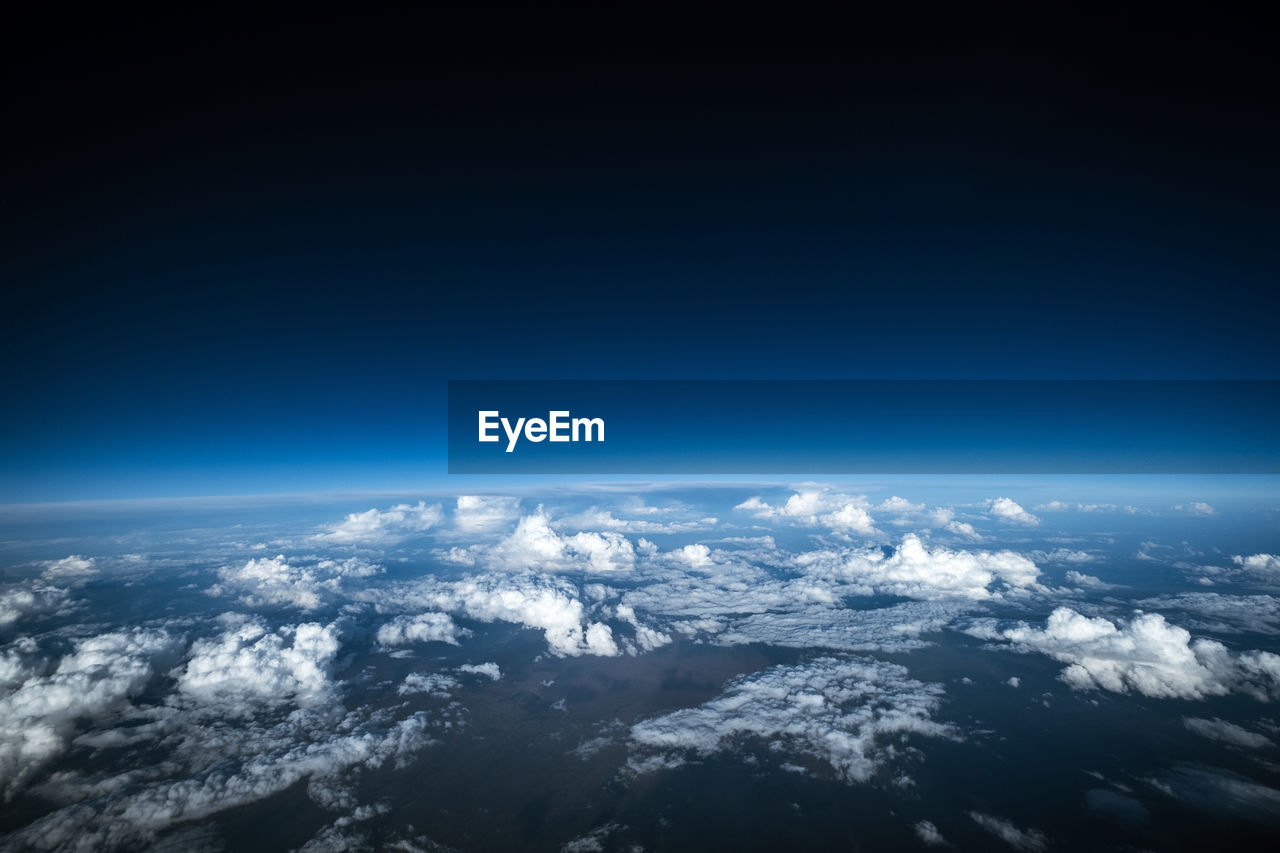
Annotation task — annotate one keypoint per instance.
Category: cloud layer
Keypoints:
(850, 713)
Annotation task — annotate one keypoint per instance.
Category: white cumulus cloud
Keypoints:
(535, 544)
(915, 571)
(1006, 509)
(817, 508)
(1084, 581)
(488, 670)
(1262, 564)
(539, 601)
(248, 664)
(383, 526)
(421, 628)
(964, 530)
(1146, 655)
(279, 581)
(897, 504)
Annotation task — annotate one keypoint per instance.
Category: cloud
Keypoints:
(19, 661)
(1256, 569)
(255, 711)
(646, 638)
(278, 581)
(696, 581)
(477, 514)
(594, 841)
(344, 835)
(729, 598)
(1146, 655)
(95, 681)
(1087, 581)
(897, 628)
(373, 525)
(432, 684)
(915, 571)
(851, 518)
(1225, 732)
(1019, 839)
(851, 713)
(817, 508)
(928, 833)
(535, 545)
(897, 504)
(488, 670)
(1060, 506)
(603, 552)
(603, 519)
(941, 516)
(1221, 613)
(74, 567)
(1260, 564)
(756, 506)
(714, 589)
(46, 595)
(1062, 555)
(24, 599)
(422, 628)
(248, 665)
(1005, 509)
(767, 596)
(209, 769)
(533, 600)
(964, 530)
(696, 556)
(1196, 508)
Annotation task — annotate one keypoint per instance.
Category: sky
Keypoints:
(249, 258)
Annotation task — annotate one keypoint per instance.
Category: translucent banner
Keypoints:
(863, 426)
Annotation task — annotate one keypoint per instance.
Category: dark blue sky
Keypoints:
(246, 255)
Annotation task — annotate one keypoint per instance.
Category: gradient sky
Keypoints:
(247, 257)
